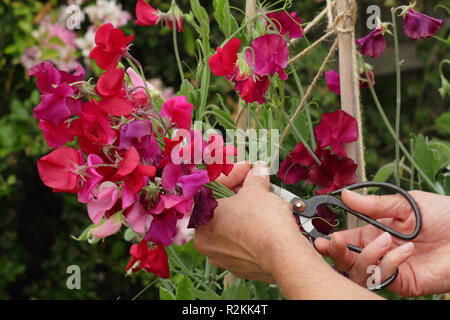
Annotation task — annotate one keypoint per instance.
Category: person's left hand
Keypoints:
(251, 228)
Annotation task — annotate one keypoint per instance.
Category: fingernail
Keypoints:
(406, 248)
(260, 169)
(350, 192)
(383, 240)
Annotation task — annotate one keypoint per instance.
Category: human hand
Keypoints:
(424, 263)
(250, 229)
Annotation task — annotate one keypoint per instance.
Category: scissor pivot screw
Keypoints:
(299, 206)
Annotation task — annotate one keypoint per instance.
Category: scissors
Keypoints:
(306, 210)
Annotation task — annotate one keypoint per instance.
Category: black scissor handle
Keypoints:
(391, 187)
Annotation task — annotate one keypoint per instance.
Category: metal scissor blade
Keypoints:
(282, 193)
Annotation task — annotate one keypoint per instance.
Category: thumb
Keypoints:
(258, 176)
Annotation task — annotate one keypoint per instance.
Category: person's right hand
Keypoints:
(424, 267)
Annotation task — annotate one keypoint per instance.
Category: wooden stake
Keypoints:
(349, 74)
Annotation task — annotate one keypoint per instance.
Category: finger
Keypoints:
(321, 245)
(394, 258)
(343, 258)
(236, 177)
(258, 176)
(388, 206)
(370, 255)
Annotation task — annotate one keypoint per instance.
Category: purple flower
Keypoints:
(333, 81)
(269, 55)
(57, 102)
(138, 134)
(418, 25)
(204, 207)
(163, 228)
(373, 44)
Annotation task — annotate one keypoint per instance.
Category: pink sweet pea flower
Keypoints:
(418, 25)
(91, 178)
(333, 81)
(138, 90)
(179, 111)
(183, 233)
(111, 46)
(373, 44)
(191, 183)
(335, 129)
(146, 15)
(60, 169)
(109, 227)
(287, 23)
(269, 55)
(104, 198)
(56, 136)
(223, 62)
(139, 219)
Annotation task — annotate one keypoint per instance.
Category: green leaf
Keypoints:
(189, 255)
(204, 295)
(164, 294)
(443, 123)
(222, 14)
(201, 15)
(237, 292)
(223, 117)
(184, 286)
(188, 90)
(426, 158)
(383, 174)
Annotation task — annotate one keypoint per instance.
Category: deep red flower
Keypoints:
(223, 62)
(56, 136)
(118, 105)
(373, 44)
(333, 173)
(291, 172)
(152, 259)
(253, 88)
(418, 25)
(218, 157)
(179, 111)
(111, 46)
(58, 169)
(335, 129)
(287, 23)
(204, 207)
(146, 15)
(111, 82)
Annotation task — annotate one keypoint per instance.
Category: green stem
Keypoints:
(398, 100)
(394, 136)
(145, 289)
(177, 53)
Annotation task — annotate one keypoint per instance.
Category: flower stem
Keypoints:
(177, 53)
(398, 100)
(394, 136)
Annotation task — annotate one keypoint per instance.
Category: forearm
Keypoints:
(301, 273)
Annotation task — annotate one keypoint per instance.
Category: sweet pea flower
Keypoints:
(183, 232)
(287, 23)
(335, 129)
(174, 18)
(91, 178)
(294, 167)
(104, 198)
(218, 157)
(223, 62)
(111, 46)
(269, 55)
(333, 173)
(163, 228)
(56, 136)
(111, 82)
(253, 88)
(179, 111)
(61, 169)
(153, 259)
(373, 44)
(138, 134)
(57, 95)
(204, 206)
(108, 227)
(418, 25)
(146, 15)
(333, 81)
(139, 219)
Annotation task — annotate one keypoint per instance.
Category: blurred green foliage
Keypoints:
(36, 224)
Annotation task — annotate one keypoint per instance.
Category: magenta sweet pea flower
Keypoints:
(333, 81)
(291, 172)
(335, 129)
(138, 134)
(253, 89)
(179, 111)
(56, 136)
(146, 15)
(57, 103)
(418, 25)
(287, 23)
(91, 178)
(269, 55)
(373, 44)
